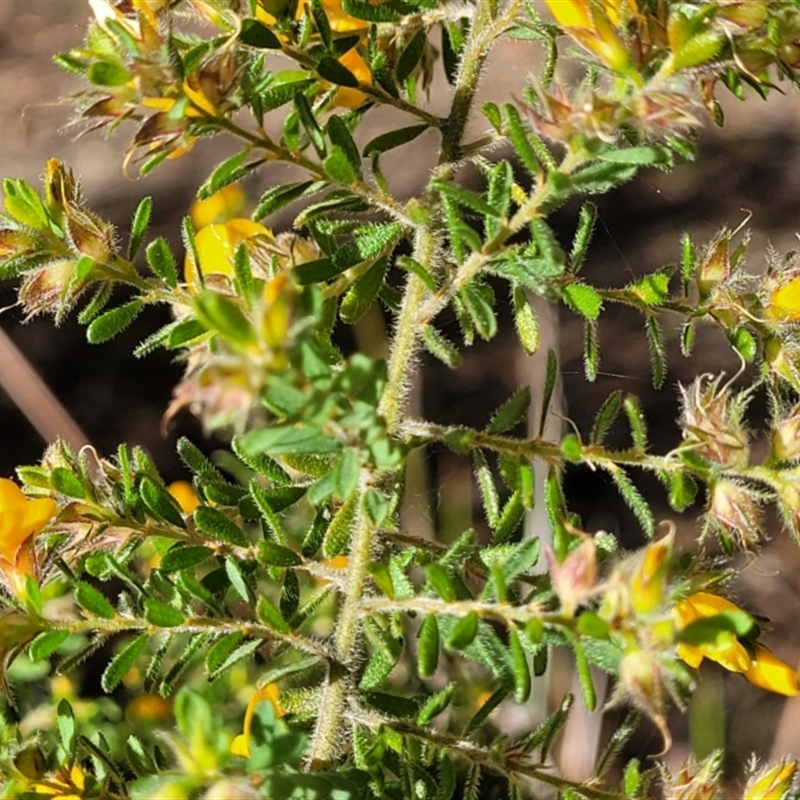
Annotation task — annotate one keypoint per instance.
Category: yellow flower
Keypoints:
(647, 584)
(772, 783)
(769, 672)
(219, 207)
(241, 744)
(755, 663)
(21, 519)
(216, 246)
(183, 492)
(784, 302)
(62, 785)
(700, 605)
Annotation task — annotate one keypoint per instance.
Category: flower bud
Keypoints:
(715, 267)
(772, 782)
(640, 676)
(783, 361)
(649, 579)
(734, 512)
(575, 578)
(785, 443)
(694, 780)
(712, 422)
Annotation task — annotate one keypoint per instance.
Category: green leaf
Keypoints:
(682, 491)
(525, 321)
(64, 481)
(309, 121)
(139, 225)
(45, 644)
(551, 376)
(277, 197)
(520, 140)
(410, 56)
(514, 410)
(486, 709)
(221, 649)
(602, 176)
(334, 71)
(489, 498)
(465, 198)
(428, 647)
(392, 139)
(218, 313)
(653, 289)
(378, 668)
(159, 502)
(387, 12)
(270, 615)
(464, 632)
(337, 166)
(521, 668)
(275, 555)
(510, 518)
(280, 93)
(583, 299)
(162, 615)
(281, 439)
(436, 704)
(441, 581)
(86, 596)
(217, 526)
(236, 655)
(637, 422)
(337, 536)
(608, 412)
(345, 473)
(24, 204)
(745, 343)
(719, 632)
(340, 136)
(645, 156)
(108, 325)
(237, 579)
(478, 302)
(123, 662)
(256, 34)
(180, 557)
(105, 73)
(583, 235)
(65, 721)
(162, 262)
(439, 347)
(635, 501)
(658, 353)
(363, 292)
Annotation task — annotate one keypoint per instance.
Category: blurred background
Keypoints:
(750, 165)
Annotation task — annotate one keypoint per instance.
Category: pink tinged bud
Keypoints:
(712, 421)
(716, 266)
(734, 512)
(574, 580)
(786, 437)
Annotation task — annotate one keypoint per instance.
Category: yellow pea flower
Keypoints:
(183, 492)
(21, 520)
(761, 667)
(769, 672)
(216, 246)
(219, 207)
(241, 744)
(701, 605)
(62, 785)
(784, 302)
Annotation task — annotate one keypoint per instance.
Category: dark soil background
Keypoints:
(753, 163)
